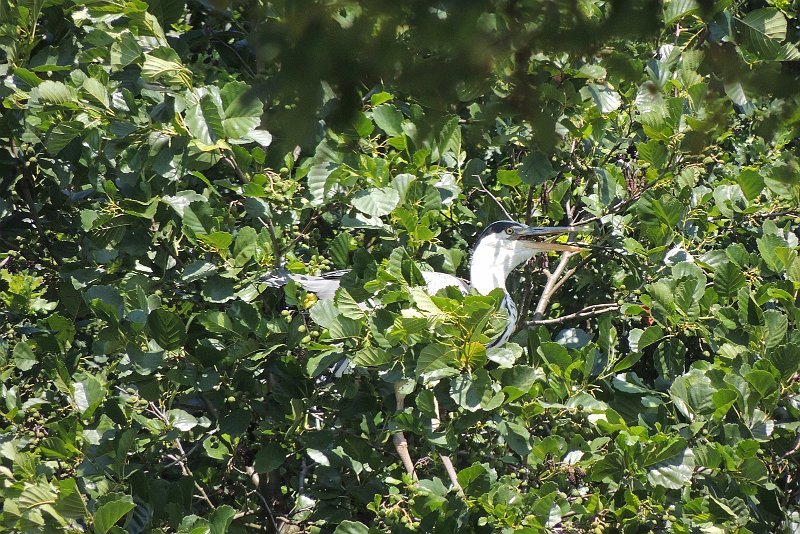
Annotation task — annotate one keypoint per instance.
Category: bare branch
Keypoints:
(589, 311)
(496, 201)
(446, 461)
(768, 215)
(181, 459)
(399, 439)
(550, 286)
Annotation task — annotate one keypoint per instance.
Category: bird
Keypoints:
(501, 247)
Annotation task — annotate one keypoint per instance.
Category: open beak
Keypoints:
(536, 237)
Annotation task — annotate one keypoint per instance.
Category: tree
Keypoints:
(160, 157)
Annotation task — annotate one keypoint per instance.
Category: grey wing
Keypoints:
(435, 281)
(324, 286)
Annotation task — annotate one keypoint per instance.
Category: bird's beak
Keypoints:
(535, 237)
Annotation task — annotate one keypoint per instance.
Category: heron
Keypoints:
(501, 247)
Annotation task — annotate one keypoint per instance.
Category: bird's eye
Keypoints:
(510, 231)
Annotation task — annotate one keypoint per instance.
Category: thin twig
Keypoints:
(769, 215)
(181, 460)
(529, 206)
(276, 247)
(622, 204)
(254, 479)
(178, 459)
(311, 219)
(589, 311)
(499, 204)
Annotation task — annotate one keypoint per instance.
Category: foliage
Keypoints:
(161, 157)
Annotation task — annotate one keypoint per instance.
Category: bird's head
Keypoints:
(504, 245)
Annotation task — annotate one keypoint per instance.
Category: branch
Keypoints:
(768, 215)
(589, 311)
(276, 247)
(181, 460)
(399, 439)
(446, 461)
(496, 201)
(550, 286)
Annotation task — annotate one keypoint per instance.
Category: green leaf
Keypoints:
(504, 356)
(673, 473)
(61, 135)
(24, 359)
(475, 480)
(516, 436)
(693, 394)
(786, 359)
(651, 335)
(27, 76)
(728, 278)
(340, 250)
(435, 362)
(666, 209)
(182, 200)
(763, 30)
(675, 10)
(241, 110)
(325, 314)
(449, 142)
(51, 92)
(70, 503)
(351, 527)
(376, 202)
(320, 181)
(36, 499)
(388, 119)
(108, 514)
(605, 98)
(167, 11)
(156, 69)
(536, 168)
(751, 182)
(246, 245)
(510, 178)
(521, 378)
(96, 90)
(653, 152)
(203, 120)
(167, 329)
(221, 519)
(87, 394)
(269, 458)
(767, 246)
(181, 419)
(762, 381)
(220, 241)
(125, 51)
(371, 357)
(777, 325)
(474, 392)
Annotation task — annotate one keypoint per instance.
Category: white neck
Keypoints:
(492, 262)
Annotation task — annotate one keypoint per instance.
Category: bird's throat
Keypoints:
(485, 279)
